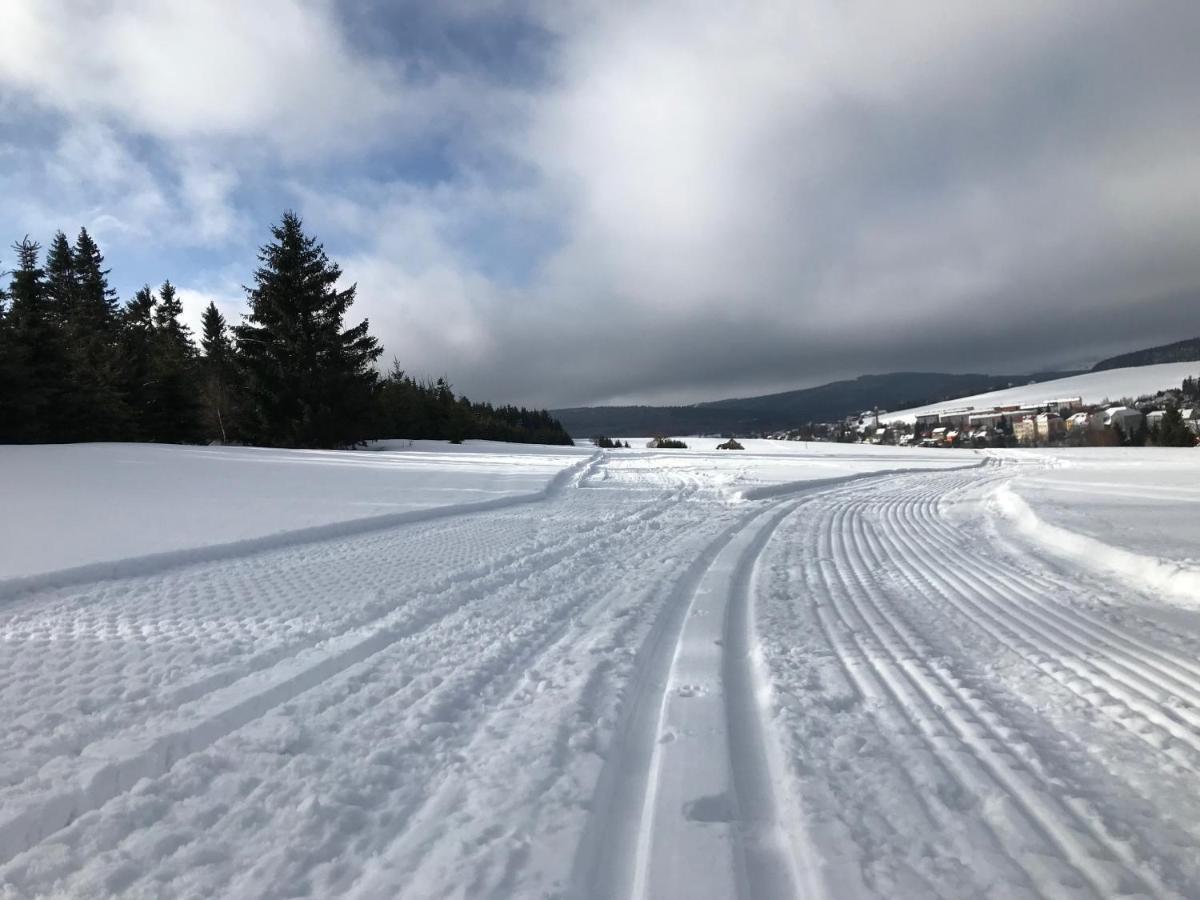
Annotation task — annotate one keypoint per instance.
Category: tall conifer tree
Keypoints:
(62, 284)
(96, 405)
(167, 320)
(173, 411)
(308, 380)
(33, 366)
(217, 363)
(96, 300)
(137, 356)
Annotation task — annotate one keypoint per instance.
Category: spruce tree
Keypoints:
(62, 288)
(309, 382)
(173, 410)
(216, 389)
(137, 356)
(1172, 431)
(214, 336)
(97, 302)
(32, 361)
(167, 320)
(96, 404)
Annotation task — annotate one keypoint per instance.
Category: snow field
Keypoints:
(86, 511)
(668, 674)
(520, 606)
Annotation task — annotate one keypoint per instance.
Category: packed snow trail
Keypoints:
(636, 686)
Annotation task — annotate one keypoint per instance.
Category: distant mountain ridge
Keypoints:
(789, 409)
(1180, 351)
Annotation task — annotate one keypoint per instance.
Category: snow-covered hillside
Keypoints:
(830, 672)
(1091, 387)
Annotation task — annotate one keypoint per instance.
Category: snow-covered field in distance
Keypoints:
(1091, 387)
(764, 465)
(70, 505)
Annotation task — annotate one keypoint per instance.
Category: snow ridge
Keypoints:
(1138, 571)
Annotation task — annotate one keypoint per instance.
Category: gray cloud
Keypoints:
(563, 204)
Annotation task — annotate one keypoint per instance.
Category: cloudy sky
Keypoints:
(571, 203)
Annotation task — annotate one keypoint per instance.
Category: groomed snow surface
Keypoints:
(486, 671)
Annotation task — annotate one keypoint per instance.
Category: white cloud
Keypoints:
(277, 70)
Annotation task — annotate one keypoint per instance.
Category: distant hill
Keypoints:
(1180, 351)
(774, 412)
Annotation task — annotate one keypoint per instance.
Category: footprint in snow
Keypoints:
(711, 808)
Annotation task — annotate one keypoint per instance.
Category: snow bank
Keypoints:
(1091, 387)
(100, 510)
(1143, 499)
(1143, 572)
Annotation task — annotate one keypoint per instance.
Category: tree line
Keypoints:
(77, 365)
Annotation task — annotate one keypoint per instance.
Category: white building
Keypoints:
(954, 418)
(1048, 426)
(1127, 419)
(1025, 431)
(986, 419)
(1191, 418)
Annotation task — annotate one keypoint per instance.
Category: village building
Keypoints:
(1191, 418)
(1123, 417)
(1064, 405)
(1082, 421)
(1025, 430)
(955, 418)
(1048, 427)
(986, 419)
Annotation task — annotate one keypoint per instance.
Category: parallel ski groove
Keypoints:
(1092, 854)
(1165, 665)
(981, 604)
(606, 863)
(771, 867)
(886, 698)
(904, 549)
(902, 665)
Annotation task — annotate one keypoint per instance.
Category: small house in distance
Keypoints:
(1025, 430)
(1048, 426)
(1123, 417)
(1191, 418)
(1082, 421)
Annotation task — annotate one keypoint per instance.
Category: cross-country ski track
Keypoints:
(635, 683)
